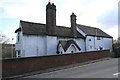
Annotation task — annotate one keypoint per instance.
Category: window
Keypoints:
(89, 39)
(18, 53)
(90, 47)
(61, 52)
(58, 52)
(18, 37)
(98, 38)
(100, 47)
(71, 51)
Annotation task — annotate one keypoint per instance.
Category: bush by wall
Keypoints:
(8, 50)
(116, 50)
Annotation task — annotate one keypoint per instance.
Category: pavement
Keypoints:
(103, 68)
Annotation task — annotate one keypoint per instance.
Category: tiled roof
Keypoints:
(93, 31)
(66, 44)
(31, 28)
(65, 31)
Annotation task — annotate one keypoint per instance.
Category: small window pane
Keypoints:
(89, 39)
(18, 37)
(98, 38)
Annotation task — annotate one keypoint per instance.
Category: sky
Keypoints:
(101, 14)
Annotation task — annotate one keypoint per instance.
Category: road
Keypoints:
(102, 69)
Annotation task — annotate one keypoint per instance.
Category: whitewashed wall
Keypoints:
(81, 43)
(90, 45)
(98, 43)
(107, 43)
(18, 43)
(51, 45)
(33, 45)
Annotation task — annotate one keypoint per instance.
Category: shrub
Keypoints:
(116, 49)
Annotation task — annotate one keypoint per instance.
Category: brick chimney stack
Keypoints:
(50, 18)
(73, 24)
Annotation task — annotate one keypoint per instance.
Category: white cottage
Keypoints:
(36, 39)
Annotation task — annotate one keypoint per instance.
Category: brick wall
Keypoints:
(17, 66)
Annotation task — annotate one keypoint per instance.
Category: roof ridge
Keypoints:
(32, 22)
(42, 23)
(62, 26)
(87, 26)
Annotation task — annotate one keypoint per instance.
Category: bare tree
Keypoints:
(3, 39)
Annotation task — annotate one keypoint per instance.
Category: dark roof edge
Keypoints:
(31, 22)
(100, 36)
(77, 46)
(87, 26)
(19, 29)
(42, 23)
(54, 35)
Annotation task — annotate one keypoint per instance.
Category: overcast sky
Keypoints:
(102, 14)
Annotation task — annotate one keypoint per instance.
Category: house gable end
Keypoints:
(91, 31)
